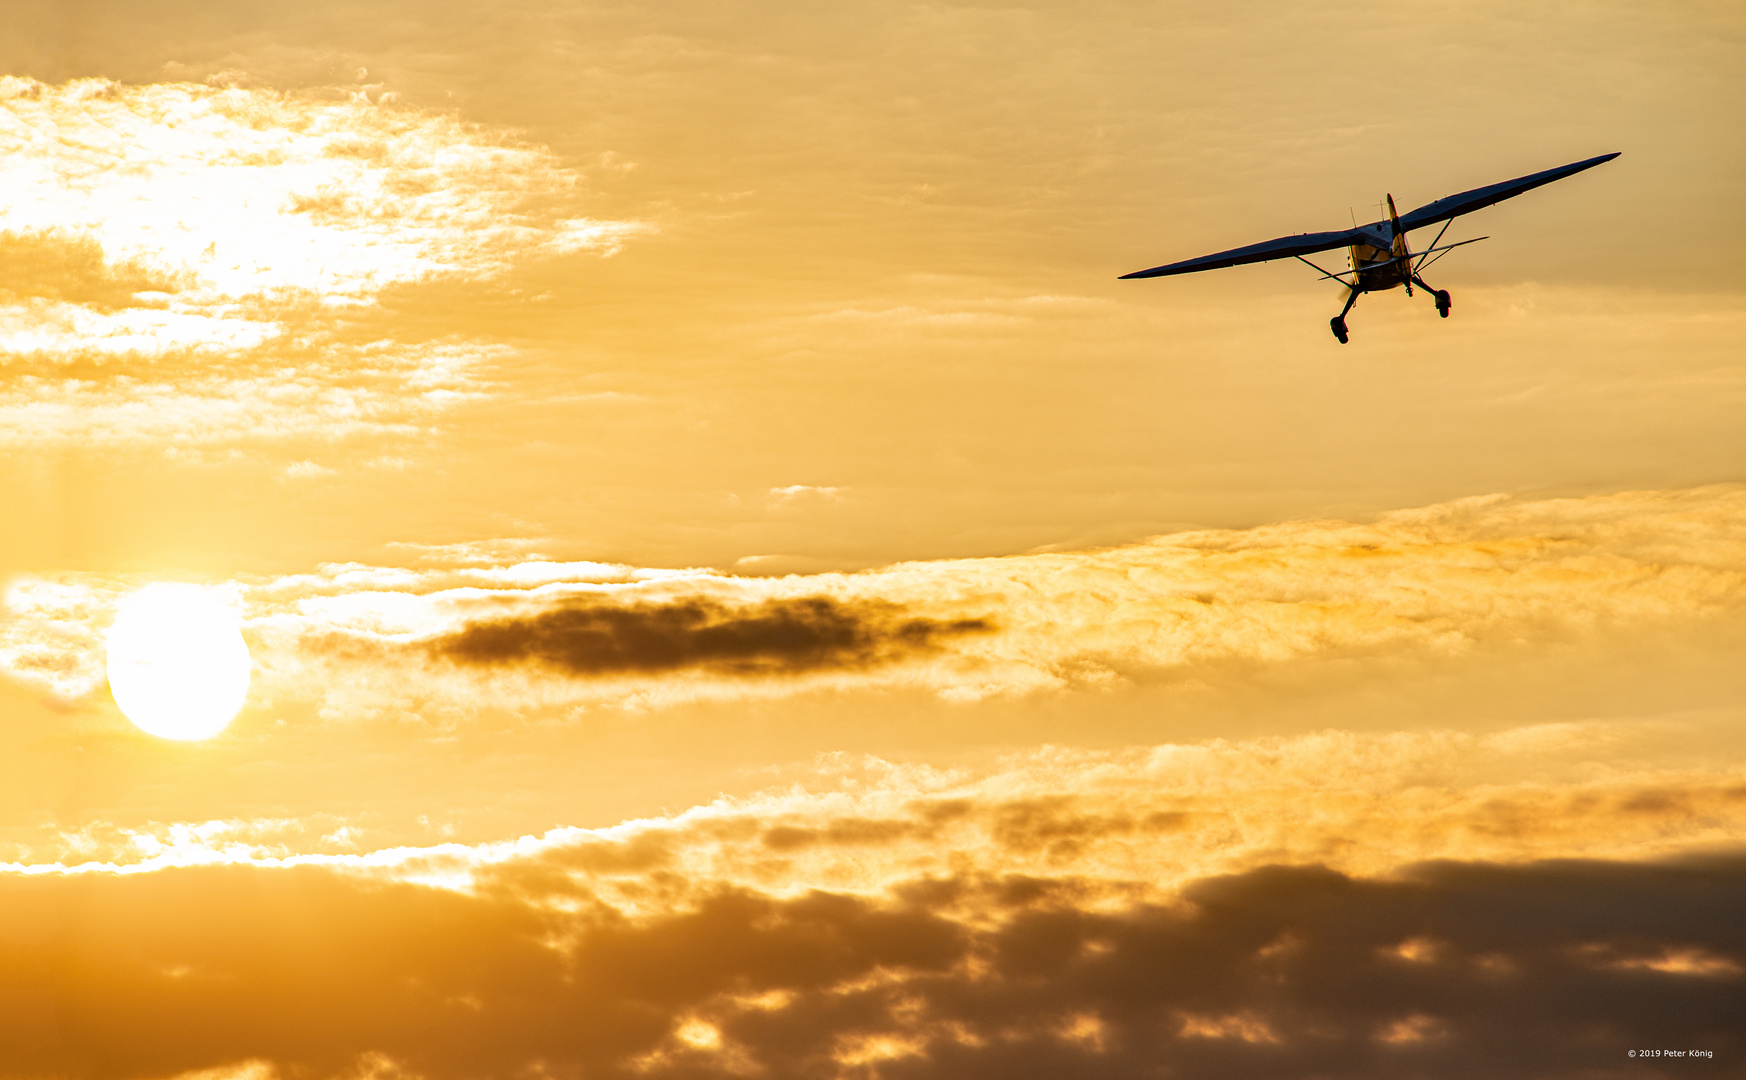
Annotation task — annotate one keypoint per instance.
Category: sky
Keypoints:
(736, 587)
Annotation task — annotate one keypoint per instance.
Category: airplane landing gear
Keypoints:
(1338, 323)
(1441, 296)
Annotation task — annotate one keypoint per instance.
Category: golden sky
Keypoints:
(736, 587)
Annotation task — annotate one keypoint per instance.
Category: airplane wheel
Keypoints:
(1443, 303)
(1338, 325)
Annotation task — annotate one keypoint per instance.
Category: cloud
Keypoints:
(236, 192)
(793, 493)
(178, 261)
(776, 637)
(324, 394)
(305, 470)
(1434, 585)
(482, 553)
(1260, 907)
(1133, 824)
(1438, 585)
(72, 268)
(1279, 972)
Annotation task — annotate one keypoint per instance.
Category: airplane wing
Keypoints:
(1478, 198)
(1285, 247)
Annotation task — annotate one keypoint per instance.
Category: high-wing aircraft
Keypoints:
(1377, 255)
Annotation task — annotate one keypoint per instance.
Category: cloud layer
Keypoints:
(1543, 970)
(1260, 907)
(1436, 585)
(1142, 821)
(1334, 903)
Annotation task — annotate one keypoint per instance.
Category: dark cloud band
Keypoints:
(776, 637)
(1553, 970)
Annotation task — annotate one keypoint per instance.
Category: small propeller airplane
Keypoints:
(1378, 256)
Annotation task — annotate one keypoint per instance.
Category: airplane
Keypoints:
(1377, 256)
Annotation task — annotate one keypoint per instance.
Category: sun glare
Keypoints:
(178, 667)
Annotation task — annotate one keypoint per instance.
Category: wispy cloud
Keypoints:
(1433, 585)
(175, 258)
(323, 395)
(1123, 825)
(232, 193)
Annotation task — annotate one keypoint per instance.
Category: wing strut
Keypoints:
(1324, 273)
(1428, 250)
(1445, 249)
(1337, 275)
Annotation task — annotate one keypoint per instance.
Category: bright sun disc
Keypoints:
(178, 666)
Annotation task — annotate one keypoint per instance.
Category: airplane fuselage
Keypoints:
(1393, 271)
(1386, 263)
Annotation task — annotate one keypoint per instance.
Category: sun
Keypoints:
(178, 667)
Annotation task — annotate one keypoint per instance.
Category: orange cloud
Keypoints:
(233, 192)
(1435, 586)
(1120, 826)
(310, 971)
(175, 259)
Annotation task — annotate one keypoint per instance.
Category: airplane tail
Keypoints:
(1400, 248)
